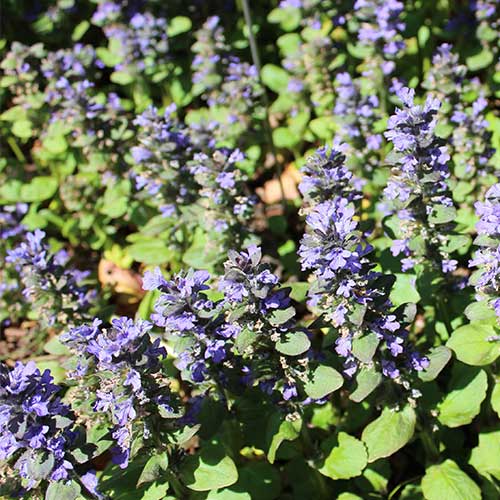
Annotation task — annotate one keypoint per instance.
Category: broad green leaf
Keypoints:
(22, 129)
(323, 381)
(210, 470)
(480, 61)
(275, 78)
(39, 189)
(154, 469)
(485, 457)
(479, 311)
(441, 214)
(178, 25)
(389, 432)
(121, 77)
(447, 481)
(281, 316)
(80, 30)
(364, 347)
(438, 359)
(150, 251)
(471, 345)
(293, 343)
(495, 398)
(466, 392)
(228, 494)
(367, 380)
(288, 19)
(116, 199)
(346, 459)
(63, 491)
(279, 430)
(404, 290)
(283, 137)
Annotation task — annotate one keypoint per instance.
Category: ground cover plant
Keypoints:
(250, 250)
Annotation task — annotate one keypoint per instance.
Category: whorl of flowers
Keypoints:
(180, 166)
(446, 74)
(417, 191)
(469, 139)
(381, 26)
(36, 427)
(325, 176)
(222, 78)
(230, 342)
(357, 113)
(142, 43)
(351, 296)
(53, 289)
(131, 386)
(486, 278)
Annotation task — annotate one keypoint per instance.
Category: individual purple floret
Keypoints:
(10, 220)
(486, 278)
(417, 192)
(131, 388)
(35, 426)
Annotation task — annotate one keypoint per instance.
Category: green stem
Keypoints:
(265, 98)
(16, 149)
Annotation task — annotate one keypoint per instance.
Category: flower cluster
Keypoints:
(352, 296)
(381, 26)
(231, 343)
(417, 192)
(326, 176)
(224, 80)
(467, 129)
(181, 167)
(36, 427)
(54, 290)
(130, 387)
(358, 114)
(487, 259)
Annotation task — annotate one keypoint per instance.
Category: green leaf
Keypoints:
(441, 214)
(364, 347)
(495, 398)
(404, 290)
(389, 432)
(55, 347)
(471, 345)
(279, 430)
(155, 467)
(283, 137)
(281, 316)
(447, 482)
(438, 359)
(150, 251)
(121, 77)
(63, 491)
(210, 470)
(39, 189)
(293, 343)
(22, 129)
(485, 457)
(288, 18)
(275, 78)
(480, 61)
(466, 392)
(478, 311)
(178, 25)
(346, 459)
(80, 30)
(367, 380)
(116, 199)
(323, 381)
